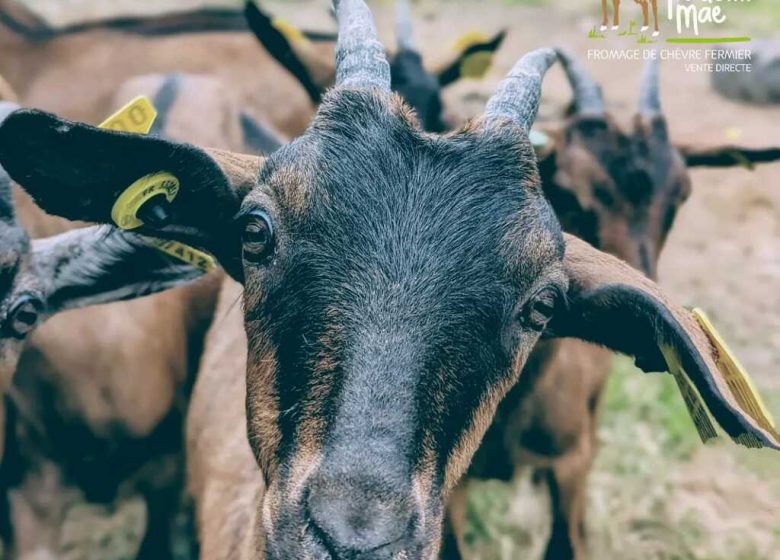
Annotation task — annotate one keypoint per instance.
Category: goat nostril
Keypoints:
(353, 520)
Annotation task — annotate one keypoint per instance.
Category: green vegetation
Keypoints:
(654, 490)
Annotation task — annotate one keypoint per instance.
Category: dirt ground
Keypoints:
(655, 493)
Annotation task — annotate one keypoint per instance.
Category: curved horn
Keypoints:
(588, 98)
(404, 37)
(517, 96)
(650, 92)
(360, 57)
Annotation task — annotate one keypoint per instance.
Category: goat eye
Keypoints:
(540, 308)
(258, 236)
(23, 316)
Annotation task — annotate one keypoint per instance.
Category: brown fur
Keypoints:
(83, 71)
(131, 360)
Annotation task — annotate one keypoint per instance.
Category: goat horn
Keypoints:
(517, 96)
(360, 57)
(588, 98)
(404, 37)
(650, 92)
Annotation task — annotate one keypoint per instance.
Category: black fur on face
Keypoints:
(619, 191)
(388, 322)
(419, 89)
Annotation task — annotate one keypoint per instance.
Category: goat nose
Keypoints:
(358, 515)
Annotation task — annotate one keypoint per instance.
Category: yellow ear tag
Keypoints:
(290, 32)
(474, 65)
(697, 410)
(469, 39)
(125, 210)
(190, 255)
(737, 378)
(137, 116)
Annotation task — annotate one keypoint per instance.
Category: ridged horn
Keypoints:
(518, 94)
(650, 91)
(360, 57)
(588, 99)
(404, 36)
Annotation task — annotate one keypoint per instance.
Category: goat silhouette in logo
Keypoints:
(646, 5)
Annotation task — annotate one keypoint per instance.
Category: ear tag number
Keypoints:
(137, 116)
(125, 210)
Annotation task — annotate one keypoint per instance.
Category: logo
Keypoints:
(690, 21)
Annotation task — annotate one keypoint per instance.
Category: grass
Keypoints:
(655, 489)
(594, 33)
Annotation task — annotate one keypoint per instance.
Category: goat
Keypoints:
(646, 5)
(619, 191)
(420, 88)
(44, 277)
(394, 284)
(110, 402)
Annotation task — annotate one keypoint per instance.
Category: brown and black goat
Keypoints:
(619, 191)
(43, 277)
(104, 390)
(394, 284)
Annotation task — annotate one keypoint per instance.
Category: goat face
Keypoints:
(384, 316)
(619, 191)
(21, 298)
(394, 284)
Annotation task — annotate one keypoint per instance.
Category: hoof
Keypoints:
(603, 28)
(656, 33)
(645, 27)
(615, 27)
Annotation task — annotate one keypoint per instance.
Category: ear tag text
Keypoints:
(190, 255)
(137, 117)
(125, 210)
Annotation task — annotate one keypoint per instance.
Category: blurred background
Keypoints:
(655, 492)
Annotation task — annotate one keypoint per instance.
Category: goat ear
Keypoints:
(728, 156)
(78, 172)
(102, 264)
(612, 304)
(290, 48)
(473, 61)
